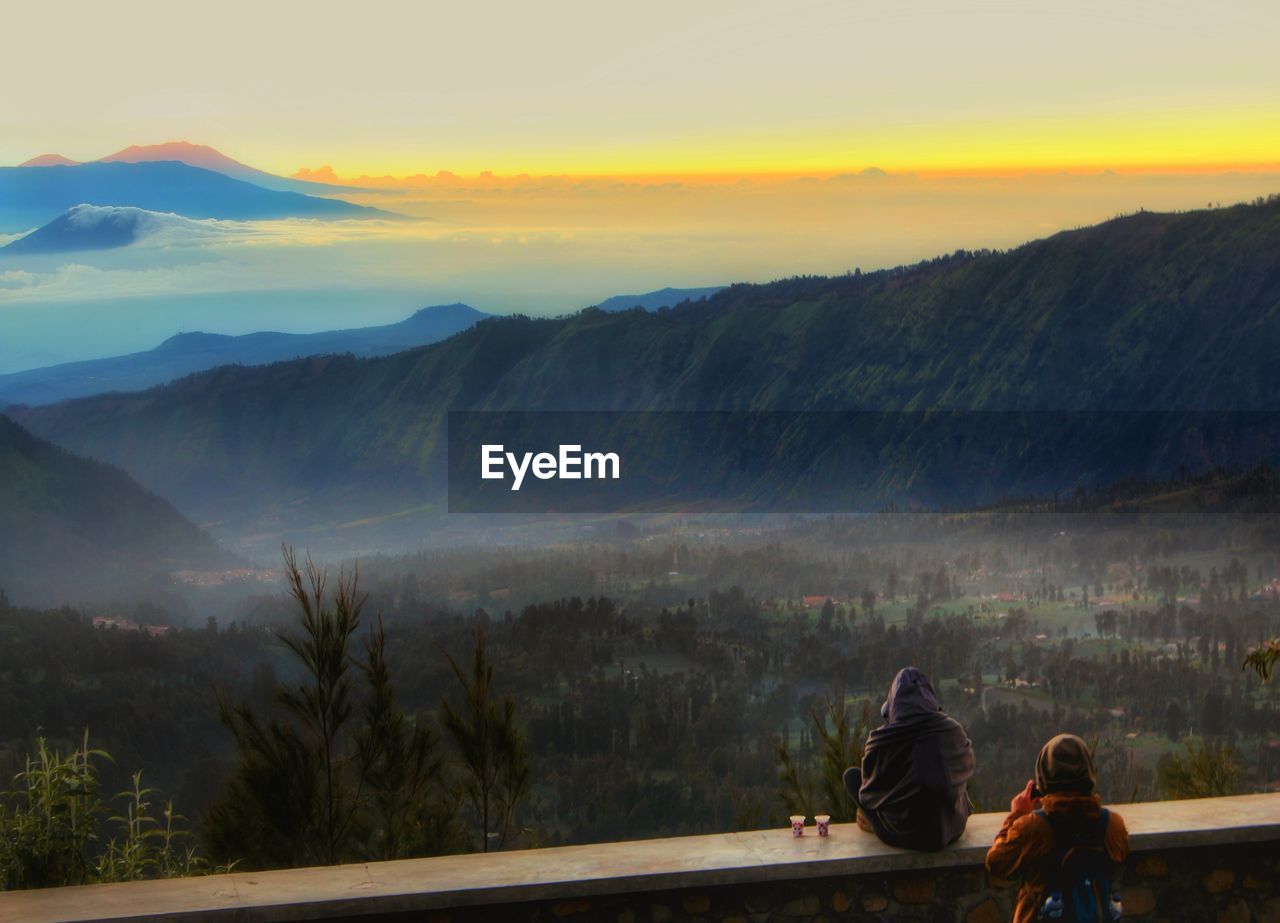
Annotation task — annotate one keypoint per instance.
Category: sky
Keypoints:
(556, 154)
(564, 86)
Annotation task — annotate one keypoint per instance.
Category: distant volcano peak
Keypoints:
(50, 160)
(208, 158)
(195, 155)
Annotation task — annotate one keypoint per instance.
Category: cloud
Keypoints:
(16, 279)
(159, 228)
(89, 227)
(82, 281)
(323, 174)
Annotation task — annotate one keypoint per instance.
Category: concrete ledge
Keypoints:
(604, 869)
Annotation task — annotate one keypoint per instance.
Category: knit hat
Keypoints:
(1065, 765)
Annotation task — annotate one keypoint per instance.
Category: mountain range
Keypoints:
(1110, 339)
(50, 160)
(70, 526)
(197, 155)
(34, 196)
(187, 353)
(662, 298)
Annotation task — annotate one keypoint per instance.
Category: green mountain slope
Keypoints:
(70, 526)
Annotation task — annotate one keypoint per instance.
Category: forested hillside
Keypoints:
(71, 527)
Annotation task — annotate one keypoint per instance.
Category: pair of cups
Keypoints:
(797, 824)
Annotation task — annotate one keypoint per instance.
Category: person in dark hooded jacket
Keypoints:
(912, 787)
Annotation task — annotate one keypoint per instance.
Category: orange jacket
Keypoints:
(1024, 846)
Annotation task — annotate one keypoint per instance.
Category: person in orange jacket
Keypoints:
(1056, 820)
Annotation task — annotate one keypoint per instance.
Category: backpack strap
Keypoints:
(1097, 836)
(1065, 840)
(1104, 820)
(1059, 848)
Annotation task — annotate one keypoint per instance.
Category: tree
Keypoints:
(491, 746)
(315, 784)
(827, 614)
(324, 706)
(1263, 658)
(401, 768)
(291, 799)
(1174, 719)
(1206, 770)
(841, 741)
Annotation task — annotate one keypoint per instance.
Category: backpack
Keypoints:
(1079, 881)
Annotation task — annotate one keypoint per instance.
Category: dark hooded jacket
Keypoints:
(915, 769)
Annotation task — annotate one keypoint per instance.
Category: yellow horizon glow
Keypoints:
(1203, 141)
(715, 176)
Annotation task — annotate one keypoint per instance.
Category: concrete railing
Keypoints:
(1215, 860)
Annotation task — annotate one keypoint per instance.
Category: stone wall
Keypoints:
(1233, 884)
(1209, 861)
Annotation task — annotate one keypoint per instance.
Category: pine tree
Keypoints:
(325, 780)
(491, 747)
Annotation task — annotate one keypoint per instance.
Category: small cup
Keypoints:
(824, 824)
(797, 825)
